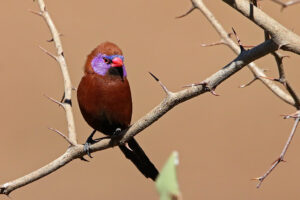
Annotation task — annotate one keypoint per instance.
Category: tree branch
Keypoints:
(281, 157)
(225, 39)
(284, 38)
(64, 69)
(257, 72)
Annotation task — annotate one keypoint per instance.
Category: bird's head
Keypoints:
(106, 59)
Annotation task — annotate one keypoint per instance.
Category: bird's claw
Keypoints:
(87, 145)
(91, 141)
(86, 149)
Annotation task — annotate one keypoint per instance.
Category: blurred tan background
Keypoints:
(222, 141)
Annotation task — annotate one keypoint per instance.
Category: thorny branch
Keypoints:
(281, 157)
(257, 72)
(64, 69)
(76, 151)
(282, 79)
(286, 39)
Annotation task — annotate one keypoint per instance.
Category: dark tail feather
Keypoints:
(139, 159)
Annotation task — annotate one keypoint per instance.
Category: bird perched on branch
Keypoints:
(104, 99)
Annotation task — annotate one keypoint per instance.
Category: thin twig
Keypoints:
(55, 101)
(282, 79)
(249, 83)
(48, 53)
(221, 42)
(62, 135)
(281, 157)
(278, 57)
(36, 13)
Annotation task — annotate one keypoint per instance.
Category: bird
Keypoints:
(105, 102)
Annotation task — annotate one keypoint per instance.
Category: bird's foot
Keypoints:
(88, 144)
(90, 141)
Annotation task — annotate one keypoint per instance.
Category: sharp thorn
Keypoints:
(155, 78)
(185, 14)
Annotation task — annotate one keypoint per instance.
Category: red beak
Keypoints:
(117, 62)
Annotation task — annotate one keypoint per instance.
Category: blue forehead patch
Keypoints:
(114, 56)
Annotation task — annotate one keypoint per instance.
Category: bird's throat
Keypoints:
(116, 71)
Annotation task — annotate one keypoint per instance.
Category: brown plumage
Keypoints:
(104, 99)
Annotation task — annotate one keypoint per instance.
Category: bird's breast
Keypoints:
(105, 102)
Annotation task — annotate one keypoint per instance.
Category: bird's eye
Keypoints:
(107, 61)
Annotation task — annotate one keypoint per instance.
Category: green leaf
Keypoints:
(166, 182)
